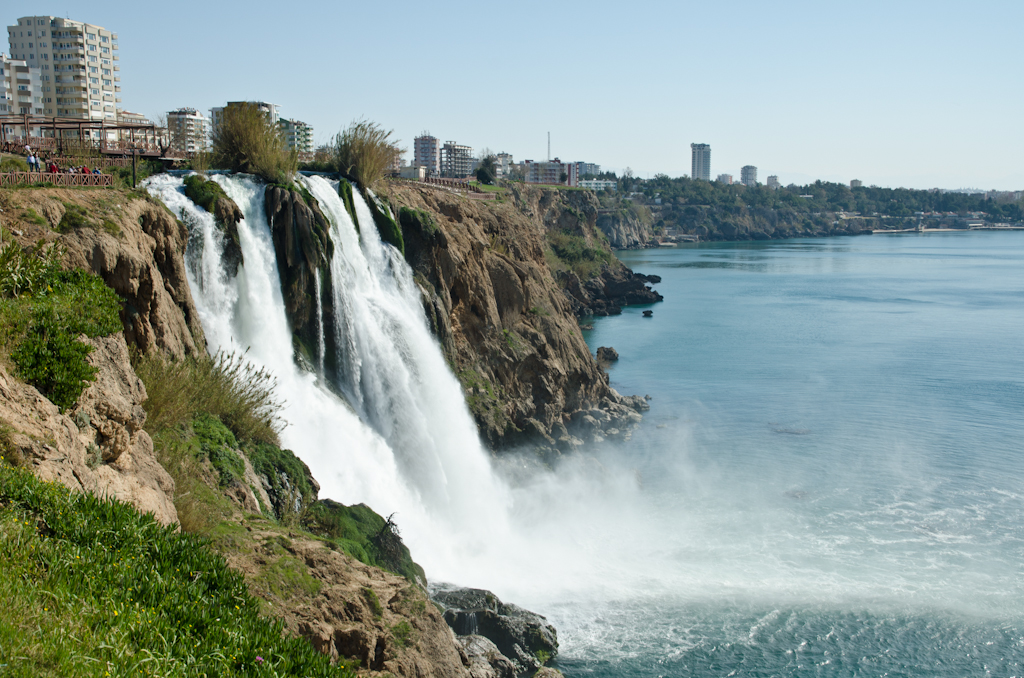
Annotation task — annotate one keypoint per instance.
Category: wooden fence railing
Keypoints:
(59, 179)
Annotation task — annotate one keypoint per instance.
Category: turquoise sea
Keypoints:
(830, 481)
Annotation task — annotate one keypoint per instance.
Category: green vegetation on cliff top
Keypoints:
(43, 311)
(91, 587)
(824, 197)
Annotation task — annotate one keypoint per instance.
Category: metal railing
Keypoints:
(60, 179)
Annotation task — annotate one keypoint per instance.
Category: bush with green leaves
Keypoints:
(363, 534)
(92, 587)
(43, 311)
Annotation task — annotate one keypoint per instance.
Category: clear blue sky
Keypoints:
(896, 93)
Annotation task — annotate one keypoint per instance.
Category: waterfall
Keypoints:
(404, 442)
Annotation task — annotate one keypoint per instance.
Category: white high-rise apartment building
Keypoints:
(298, 136)
(20, 88)
(189, 130)
(700, 164)
(78, 66)
(427, 153)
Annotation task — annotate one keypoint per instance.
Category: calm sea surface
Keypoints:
(829, 481)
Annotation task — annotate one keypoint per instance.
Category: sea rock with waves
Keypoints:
(523, 637)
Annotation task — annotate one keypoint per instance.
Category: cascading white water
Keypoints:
(420, 456)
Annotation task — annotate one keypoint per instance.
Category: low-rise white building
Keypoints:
(599, 184)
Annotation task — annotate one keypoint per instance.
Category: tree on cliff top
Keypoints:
(246, 140)
(365, 152)
(487, 172)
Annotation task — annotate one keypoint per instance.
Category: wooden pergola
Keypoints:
(73, 136)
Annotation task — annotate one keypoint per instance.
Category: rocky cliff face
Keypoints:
(137, 246)
(97, 447)
(758, 223)
(506, 326)
(303, 247)
(626, 231)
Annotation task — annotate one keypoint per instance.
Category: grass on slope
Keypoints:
(91, 587)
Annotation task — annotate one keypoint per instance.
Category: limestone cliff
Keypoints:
(625, 230)
(507, 327)
(97, 447)
(137, 246)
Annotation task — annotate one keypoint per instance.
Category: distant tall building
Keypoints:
(456, 160)
(773, 182)
(551, 172)
(585, 168)
(748, 175)
(427, 153)
(189, 130)
(724, 179)
(856, 183)
(701, 162)
(298, 136)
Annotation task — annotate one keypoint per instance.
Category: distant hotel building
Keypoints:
(748, 175)
(773, 182)
(724, 179)
(585, 168)
(427, 153)
(701, 162)
(856, 183)
(189, 130)
(456, 160)
(77, 68)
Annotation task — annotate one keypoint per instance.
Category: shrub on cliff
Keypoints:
(92, 587)
(364, 152)
(246, 140)
(226, 386)
(203, 192)
(573, 253)
(43, 310)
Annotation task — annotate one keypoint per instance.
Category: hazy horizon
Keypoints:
(920, 95)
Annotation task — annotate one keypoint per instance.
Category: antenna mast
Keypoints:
(549, 146)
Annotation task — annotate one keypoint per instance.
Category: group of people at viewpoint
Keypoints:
(34, 165)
